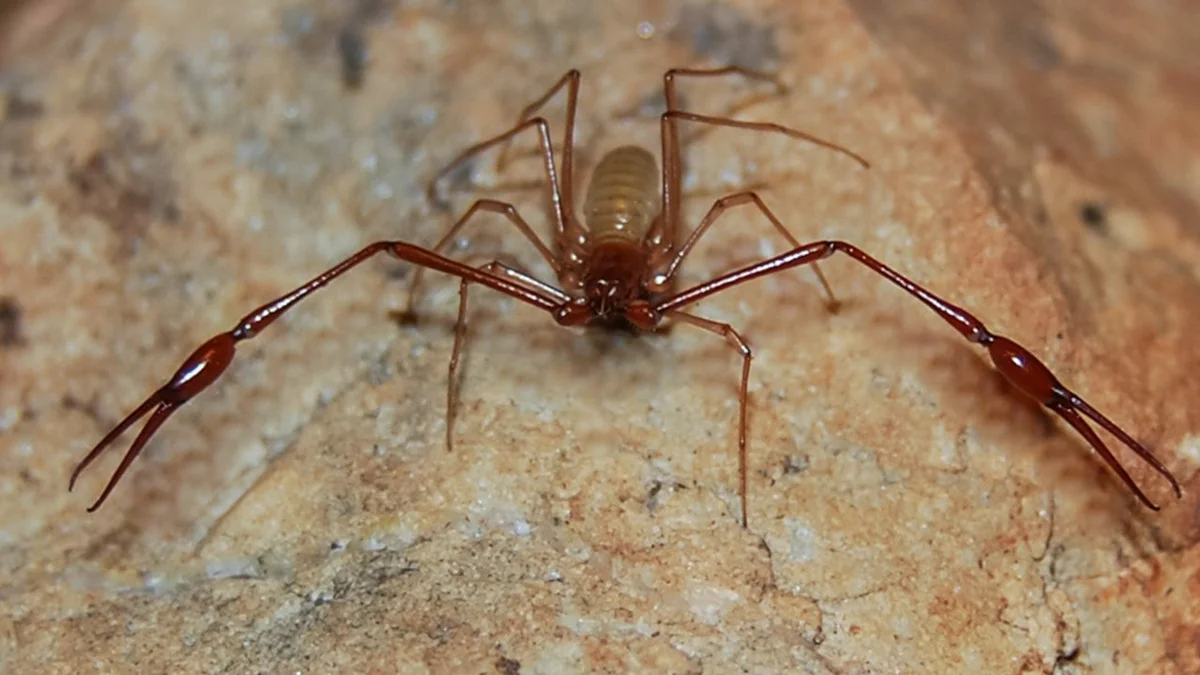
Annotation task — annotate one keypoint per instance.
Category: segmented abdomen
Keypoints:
(622, 199)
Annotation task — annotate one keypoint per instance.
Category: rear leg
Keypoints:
(666, 264)
(503, 208)
(556, 194)
(493, 268)
(666, 232)
(570, 80)
(645, 110)
(735, 340)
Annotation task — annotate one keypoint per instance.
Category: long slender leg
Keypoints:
(511, 270)
(206, 364)
(571, 81)
(495, 268)
(1016, 363)
(666, 267)
(666, 234)
(731, 336)
(672, 163)
(748, 73)
(460, 334)
(543, 127)
(672, 99)
(503, 208)
(672, 115)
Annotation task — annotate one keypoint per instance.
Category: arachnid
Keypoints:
(617, 265)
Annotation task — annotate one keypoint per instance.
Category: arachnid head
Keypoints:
(613, 277)
(612, 289)
(608, 296)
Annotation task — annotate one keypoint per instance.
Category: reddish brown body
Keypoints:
(619, 268)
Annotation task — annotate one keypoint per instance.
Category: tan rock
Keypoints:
(169, 166)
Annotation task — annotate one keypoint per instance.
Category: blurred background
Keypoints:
(1108, 86)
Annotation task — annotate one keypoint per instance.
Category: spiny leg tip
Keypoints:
(75, 477)
(1175, 487)
(1153, 506)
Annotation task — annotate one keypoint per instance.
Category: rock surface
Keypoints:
(167, 168)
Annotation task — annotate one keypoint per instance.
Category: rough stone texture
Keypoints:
(167, 167)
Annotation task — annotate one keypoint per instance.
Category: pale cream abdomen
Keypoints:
(622, 199)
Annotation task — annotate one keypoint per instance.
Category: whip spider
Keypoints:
(616, 266)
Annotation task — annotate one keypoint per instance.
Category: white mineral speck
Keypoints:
(1190, 448)
(155, 583)
(320, 597)
(710, 603)
(9, 417)
(231, 569)
(427, 115)
(802, 543)
(382, 190)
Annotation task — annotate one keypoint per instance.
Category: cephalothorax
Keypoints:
(617, 267)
